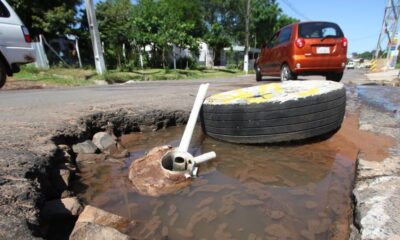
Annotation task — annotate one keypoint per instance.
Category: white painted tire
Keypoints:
(277, 112)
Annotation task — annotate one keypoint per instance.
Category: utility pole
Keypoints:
(78, 52)
(95, 36)
(388, 38)
(247, 45)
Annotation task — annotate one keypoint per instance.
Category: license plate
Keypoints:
(323, 50)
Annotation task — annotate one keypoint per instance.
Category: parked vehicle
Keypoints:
(15, 43)
(305, 48)
(350, 65)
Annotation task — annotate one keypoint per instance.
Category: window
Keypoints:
(285, 35)
(319, 30)
(4, 13)
(274, 41)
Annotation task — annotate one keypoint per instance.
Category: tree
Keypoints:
(366, 55)
(226, 18)
(267, 18)
(181, 25)
(166, 22)
(114, 18)
(59, 20)
(229, 14)
(43, 16)
(217, 39)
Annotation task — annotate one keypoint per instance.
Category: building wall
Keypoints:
(206, 55)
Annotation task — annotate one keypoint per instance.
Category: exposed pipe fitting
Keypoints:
(182, 160)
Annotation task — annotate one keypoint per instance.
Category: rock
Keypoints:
(123, 154)
(101, 217)
(90, 231)
(64, 147)
(70, 166)
(103, 140)
(378, 207)
(66, 152)
(370, 169)
(85, 147)
(366, 127)
(85, 158)
(66, 194)
(61, 208)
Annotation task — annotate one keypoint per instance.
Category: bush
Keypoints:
(232, 66)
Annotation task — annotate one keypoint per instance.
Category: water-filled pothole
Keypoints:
(247, 192)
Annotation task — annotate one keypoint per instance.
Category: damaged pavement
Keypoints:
(37, 124)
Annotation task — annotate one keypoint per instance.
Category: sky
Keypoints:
(360, 20)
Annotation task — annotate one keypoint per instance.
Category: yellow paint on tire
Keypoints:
(274, 92)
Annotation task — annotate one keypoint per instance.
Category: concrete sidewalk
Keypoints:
(389, 77)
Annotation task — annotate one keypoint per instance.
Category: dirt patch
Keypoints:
(23, 85)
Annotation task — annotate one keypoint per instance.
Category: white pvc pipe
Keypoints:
(187, 135)
(204, 157)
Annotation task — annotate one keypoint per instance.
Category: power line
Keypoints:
(295, 10)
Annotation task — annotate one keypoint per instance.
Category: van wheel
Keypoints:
(336, 77)
(287, 74)
(258, 74)
(3, 74)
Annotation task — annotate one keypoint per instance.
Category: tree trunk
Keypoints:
(163, 58)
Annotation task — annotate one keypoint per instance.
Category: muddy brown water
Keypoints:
(248, 192)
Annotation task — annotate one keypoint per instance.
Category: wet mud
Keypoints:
(247, 192)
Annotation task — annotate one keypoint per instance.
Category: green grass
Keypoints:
(57, 76)
(163, 74)
(79, 77)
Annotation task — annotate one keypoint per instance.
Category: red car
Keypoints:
(304, 48)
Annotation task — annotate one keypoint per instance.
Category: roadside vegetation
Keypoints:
(81, 77)
(56, 76)
(141, 34)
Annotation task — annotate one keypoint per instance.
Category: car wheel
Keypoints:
(286, 73)
(258, 74)
(3, 74)
(336, 77)
(277, 112)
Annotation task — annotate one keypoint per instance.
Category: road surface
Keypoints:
(29, 117)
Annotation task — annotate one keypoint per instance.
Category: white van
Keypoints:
(15, 43)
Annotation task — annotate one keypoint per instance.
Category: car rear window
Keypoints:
(319, 30)
(4, 13)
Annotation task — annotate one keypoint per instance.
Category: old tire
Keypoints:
(278, 112)
(3, 74)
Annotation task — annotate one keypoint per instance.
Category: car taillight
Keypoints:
(300, 42)
(344, 42)
(27, 37)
